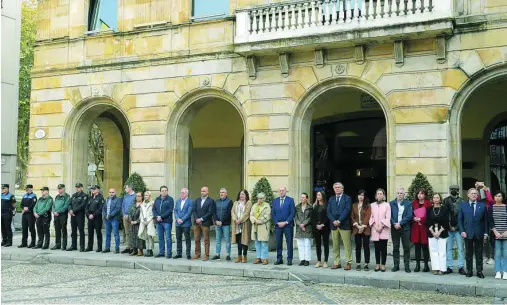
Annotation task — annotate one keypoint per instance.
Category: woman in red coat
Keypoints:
(419, 230)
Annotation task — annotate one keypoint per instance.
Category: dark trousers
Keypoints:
(42, 224)
(363, 241)
(242, 249)
(473, 246)
(78, 222)
(380, 251)
(60, 222)
(95, 224)
(179, 242)
(322, 237)
(404, 236)
(28, 223)
(6, 227)
(288, 231)
(425, 251)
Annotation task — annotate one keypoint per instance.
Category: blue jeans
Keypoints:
(501, 255)
(164, 228)
(455, 236)
(226, 232)
(115, 225)
(261, 248)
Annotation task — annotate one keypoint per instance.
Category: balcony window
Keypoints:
(103, 15)
(206, 9)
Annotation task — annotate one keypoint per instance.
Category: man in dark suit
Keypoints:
(283, 212)
(472, 224)
(401, 219)
(339, 207)
(183, 215)
(202, 211)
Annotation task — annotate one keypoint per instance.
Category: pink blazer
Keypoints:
(380, 214)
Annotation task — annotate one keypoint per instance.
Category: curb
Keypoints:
(385, 280)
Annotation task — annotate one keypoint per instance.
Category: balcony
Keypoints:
(312, 23)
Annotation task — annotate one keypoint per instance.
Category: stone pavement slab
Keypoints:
(453, 284)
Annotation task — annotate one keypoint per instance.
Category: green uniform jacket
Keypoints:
(61, 203)
(43, 206)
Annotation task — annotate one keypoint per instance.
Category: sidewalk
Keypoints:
(454, 283)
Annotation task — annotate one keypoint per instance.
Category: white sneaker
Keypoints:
(505, 275)
(498, 275)
(490, 261)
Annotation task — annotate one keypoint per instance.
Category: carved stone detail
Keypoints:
(206, 82)
(284, 64)
(441, 49)
(339, 69)
(399, 54)
(251, 67)
(359, 54)
(319, 58)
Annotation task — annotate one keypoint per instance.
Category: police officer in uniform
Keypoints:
(60, 215)
(94, 215)
(77, 217)
(42, 213)
(27, 219)
(7, 209)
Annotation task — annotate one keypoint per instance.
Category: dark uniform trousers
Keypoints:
(6, 227)
(28, 223)
(61, 230)
(78, 222)
(95, 224)
(42, 224)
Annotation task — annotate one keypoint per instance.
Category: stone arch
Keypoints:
(178, 130)
(485, 76)
(115, 128)
(301, 119)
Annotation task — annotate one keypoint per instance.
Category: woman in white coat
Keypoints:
(146, 226)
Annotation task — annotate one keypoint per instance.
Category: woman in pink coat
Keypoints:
(380, 223)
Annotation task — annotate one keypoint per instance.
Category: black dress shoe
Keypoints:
(449, 271)
(82, 250)
(31, 245)
(407, 269)
(177, 256)
(106, 251)
(88, 250)
(461, 271)
(280, 262)
(117, 251)
(127, 250)
(395, 268)
(45, 247)
(426, 268)
(189, 257)
(289, 263)
(307, 263)
(159, 255)
(8, 244)
(417, 267)
(480, 275)
(22, 246)
(37, 247)
(98, 250)
(228, 258)
(64, 248)
(55, 248)
(469, 274)
(302, 263)
(216, 257)
(72, 249)
(170, 256)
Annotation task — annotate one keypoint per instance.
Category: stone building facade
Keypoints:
(229, 97)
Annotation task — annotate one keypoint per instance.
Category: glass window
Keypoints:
(103, 15)
(206, 9)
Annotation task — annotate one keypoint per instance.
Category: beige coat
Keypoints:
(263, 228)
(146, 224)
(246, 225)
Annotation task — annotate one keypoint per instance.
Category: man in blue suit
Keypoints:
(112, 211)
(183, 215)
(283, 212)
(401, 219)
(339, 207)
(472, 224)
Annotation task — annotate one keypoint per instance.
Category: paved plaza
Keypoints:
(454, 284)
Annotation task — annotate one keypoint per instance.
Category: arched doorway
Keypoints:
(206, 141)
(340, 133)
(97, 132)
(482, 125)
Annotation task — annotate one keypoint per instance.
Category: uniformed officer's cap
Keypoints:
(5, 186)
(454, 187)
(44, 188)
(79, 184)
(29, 186)
(61, 186)
(95, 186)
